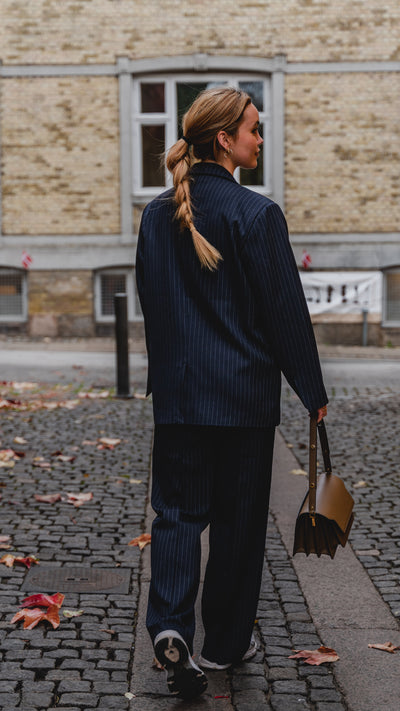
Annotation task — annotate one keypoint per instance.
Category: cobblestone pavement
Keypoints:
(87, 661)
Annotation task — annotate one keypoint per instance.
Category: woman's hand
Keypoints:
(322, 412)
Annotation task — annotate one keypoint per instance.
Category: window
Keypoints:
(13, 305)
(158, 107)
(392, 297)
(109, 282)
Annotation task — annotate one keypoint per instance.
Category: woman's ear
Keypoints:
(223, 141)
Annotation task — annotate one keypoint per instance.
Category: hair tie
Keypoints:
(187, 140)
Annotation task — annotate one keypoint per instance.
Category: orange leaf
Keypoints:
(45, 600)
(141, 541)
(387, 647)
(33, 616)
(8, 560)
(316, 656)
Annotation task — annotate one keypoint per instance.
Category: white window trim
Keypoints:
(17, 318)
(129, 274)
(169, 119)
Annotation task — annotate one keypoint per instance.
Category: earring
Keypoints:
(228, 152)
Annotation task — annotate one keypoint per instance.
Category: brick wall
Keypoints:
(60, 155)
(88, 31)
(343, 152)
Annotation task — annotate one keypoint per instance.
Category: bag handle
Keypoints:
(323, 437)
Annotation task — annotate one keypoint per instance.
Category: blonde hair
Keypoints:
(214, 110)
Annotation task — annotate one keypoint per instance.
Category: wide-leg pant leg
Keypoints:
(183, 471)
(237, 541)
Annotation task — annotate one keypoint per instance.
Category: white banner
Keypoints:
(342, 292)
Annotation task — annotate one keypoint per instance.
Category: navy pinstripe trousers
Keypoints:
(219, 476)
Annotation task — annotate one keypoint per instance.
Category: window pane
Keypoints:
(393, 297)
(153, 98)
(185, 95)
(11, 295)
(153, 148)
(256, 176)
(111, 284)
(255, 90)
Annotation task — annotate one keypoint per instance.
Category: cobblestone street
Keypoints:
(88, 661)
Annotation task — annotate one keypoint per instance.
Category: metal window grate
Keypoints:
(393, 296)
(111, 284)
(11, 294)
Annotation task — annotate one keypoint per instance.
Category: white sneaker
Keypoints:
(184, 678)
(252, 650)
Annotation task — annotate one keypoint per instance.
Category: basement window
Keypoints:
(13, 306)
(109, 282)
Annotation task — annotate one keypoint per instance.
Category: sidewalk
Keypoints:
(93, 660)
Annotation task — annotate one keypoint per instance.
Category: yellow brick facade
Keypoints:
(60, 145)
(342, 152)
(90, 31)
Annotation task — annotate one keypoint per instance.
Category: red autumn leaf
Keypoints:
(45, 600)
(316, 656)
(11, 560)
(141, 541)
(80, 498)
(386, 647)
(32, 616)
(47, 498)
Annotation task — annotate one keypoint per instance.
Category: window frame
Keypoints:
(386, 322)
(22, 317)
(134, 312)
(168, 118)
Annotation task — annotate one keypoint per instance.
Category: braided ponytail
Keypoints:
(213, 110)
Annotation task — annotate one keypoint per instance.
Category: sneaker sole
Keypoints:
(184, 680)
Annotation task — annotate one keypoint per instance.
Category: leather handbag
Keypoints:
(326, 514)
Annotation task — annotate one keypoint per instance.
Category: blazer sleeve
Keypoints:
(273, 275)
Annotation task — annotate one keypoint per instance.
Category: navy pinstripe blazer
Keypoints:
(218, 341)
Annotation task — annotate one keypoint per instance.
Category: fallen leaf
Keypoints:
(386, 647)
(94, 395)
(108, 443)
(360, 484)
(45, 600)
(32, 616)
(65, 458)
(79, 499)
(5, 538)
(141, 540)
(89, 441)
(222, 696)
(135, 481)
(108, 631)
(10, 560)
(20, 440)
(47, 498)
(129, 695)
(316, 656)
(299, 472)
(72, 613)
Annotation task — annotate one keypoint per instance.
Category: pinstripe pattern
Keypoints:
(204, 475)
(218, 341)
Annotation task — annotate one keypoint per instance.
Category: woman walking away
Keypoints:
(224, 315)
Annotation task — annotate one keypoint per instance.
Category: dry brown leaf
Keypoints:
(316, 656)
(47, 498)
(11, 560)
(141, 540)
(386, 647)
(108, 442)
(80, 498)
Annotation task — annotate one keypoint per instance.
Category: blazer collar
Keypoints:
(214, 169)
